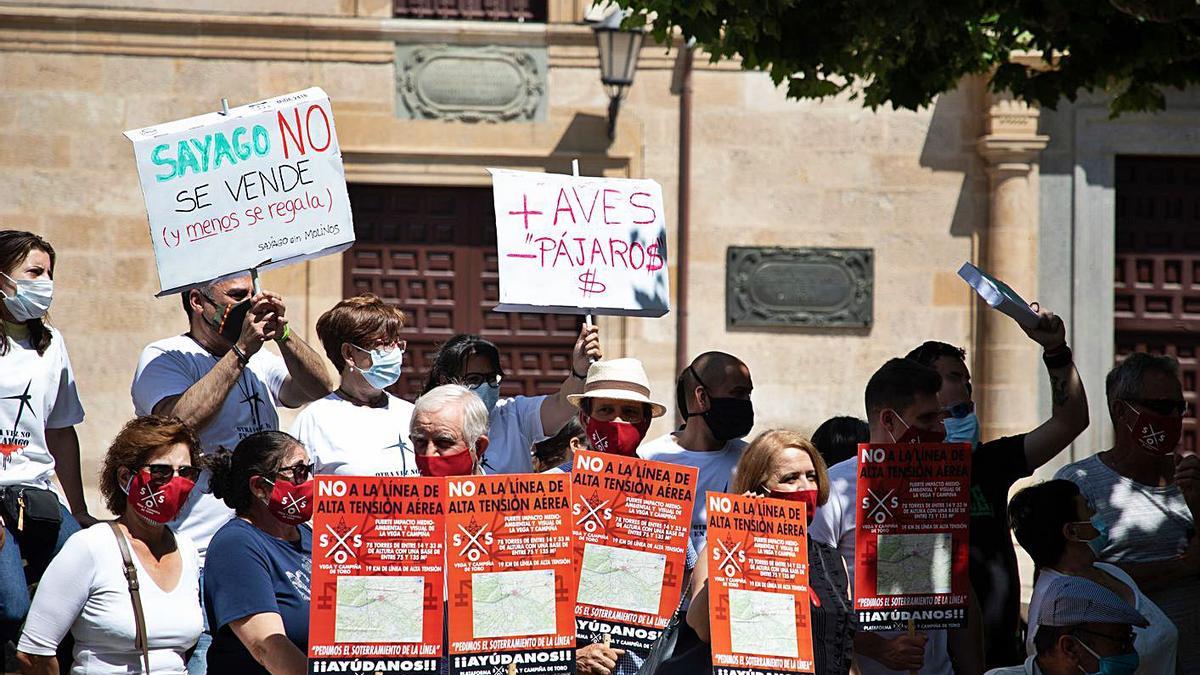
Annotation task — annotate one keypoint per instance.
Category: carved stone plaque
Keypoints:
(471, 84)
(805, 287)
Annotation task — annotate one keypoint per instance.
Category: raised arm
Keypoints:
(308, 379)
(556, 410)
(1069, 408)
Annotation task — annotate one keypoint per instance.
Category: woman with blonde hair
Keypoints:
(783, 464)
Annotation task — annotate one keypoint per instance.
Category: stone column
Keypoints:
(1008, 373)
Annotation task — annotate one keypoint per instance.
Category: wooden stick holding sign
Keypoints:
(580, 244)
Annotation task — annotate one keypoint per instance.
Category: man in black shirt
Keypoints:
(996, 465)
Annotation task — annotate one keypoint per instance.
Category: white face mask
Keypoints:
(31, 300)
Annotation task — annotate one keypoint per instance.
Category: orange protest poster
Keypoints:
(631, 522)
(911, 549)
(758, 595)
(377, 575)
(509, 575)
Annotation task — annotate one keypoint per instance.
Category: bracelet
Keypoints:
(575, 374)
(241, 356)
(287, 334)
(1059, 358)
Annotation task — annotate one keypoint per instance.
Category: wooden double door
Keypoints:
(432, 252)
(1157, 295)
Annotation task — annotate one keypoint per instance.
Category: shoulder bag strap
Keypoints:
(140, 640)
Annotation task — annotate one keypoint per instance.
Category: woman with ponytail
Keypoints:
(258, 567)
(37, 426)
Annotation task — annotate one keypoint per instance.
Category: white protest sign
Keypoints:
(259, 187)
(580, 245)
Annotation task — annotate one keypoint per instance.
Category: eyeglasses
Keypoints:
(164, 472)
(385, 346)
(299, 472)
(1162, 406)
(1123, 643)
(477, 379)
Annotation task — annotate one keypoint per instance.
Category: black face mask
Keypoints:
(229, 322)
(727, 418)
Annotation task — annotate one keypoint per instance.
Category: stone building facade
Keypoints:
(924, 191)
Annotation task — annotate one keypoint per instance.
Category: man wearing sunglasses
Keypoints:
(996, 465)
(1146, 492)
(219, 379)
(1081, 627)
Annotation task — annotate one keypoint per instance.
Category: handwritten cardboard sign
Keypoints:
(631, 522)
(260, 187)
(577, 245)
(758, 594)
(911, 545)
(377, 574)
(509, 574)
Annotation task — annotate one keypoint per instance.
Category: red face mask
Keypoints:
(914, 435)
(458, 464)
(159, 503)
(616, 438)
(291, 504)
(807, 497)
(1154, 433)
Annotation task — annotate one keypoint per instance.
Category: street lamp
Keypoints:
(619, 51)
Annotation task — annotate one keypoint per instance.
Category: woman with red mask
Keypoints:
(258, 567)
(615, 409)
(785, 465)
(148, 472)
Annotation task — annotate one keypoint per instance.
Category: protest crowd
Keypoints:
(882, 544)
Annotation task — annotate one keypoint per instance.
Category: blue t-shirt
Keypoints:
(249, 572)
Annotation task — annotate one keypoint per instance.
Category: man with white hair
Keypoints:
(449, 431)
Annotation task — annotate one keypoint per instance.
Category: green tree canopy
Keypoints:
(906, 52)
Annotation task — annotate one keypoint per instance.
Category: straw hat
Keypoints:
(620, 379)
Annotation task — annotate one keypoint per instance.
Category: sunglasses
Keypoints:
(299, 473)
(1162, 406)
(164, 472)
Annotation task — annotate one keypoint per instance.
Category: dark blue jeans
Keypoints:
(37, 549)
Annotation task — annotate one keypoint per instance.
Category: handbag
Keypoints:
(140, 640)
(29, 506)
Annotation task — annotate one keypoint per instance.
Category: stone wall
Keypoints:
(766, 171)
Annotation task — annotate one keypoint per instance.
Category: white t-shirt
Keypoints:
(84, 591)
(168, 368)
(36, 393)
(834, 524)
(513, 427)
(715, 473)
(1030, 667)
(1156, 644)
(356, 440)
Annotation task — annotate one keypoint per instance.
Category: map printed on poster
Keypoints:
(758, 594)
(631, 522)
(509, 574)
(911, 546)
(377, 584)
(260, 187)
(576, 245)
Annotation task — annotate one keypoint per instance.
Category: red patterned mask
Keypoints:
(617, 438)
(1156, 434)
(914, 435)
(159, 503)
(291, 504)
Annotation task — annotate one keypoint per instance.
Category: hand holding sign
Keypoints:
(587, 349)
(1050, 332)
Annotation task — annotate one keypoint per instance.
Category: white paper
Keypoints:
(580, 244)
(260, 187)
(999, 295)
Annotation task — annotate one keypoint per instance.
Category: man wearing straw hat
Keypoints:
(615, 410)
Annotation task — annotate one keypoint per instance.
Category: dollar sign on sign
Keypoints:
(589, 284)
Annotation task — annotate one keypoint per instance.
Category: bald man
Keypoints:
(713, 396)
